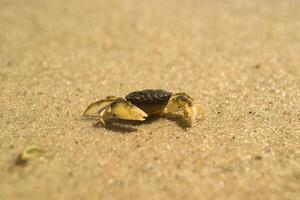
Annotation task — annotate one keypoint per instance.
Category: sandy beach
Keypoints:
(238, 59)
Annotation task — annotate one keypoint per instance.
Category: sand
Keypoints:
(238, 59)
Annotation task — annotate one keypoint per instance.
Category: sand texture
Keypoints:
(239, 59)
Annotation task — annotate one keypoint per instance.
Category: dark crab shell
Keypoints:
(150, 101)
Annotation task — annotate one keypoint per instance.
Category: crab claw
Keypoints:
(183, 102)
(123, 109)
(190, 112)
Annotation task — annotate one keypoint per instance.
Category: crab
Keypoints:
(140, 105)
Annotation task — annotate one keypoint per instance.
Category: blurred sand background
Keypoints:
(239, 59)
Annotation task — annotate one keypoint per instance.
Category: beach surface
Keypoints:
(238, 59)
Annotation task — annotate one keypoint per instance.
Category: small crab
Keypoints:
(141, 104)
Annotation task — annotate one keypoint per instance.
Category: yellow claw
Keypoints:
(190, 112)
(125, 110)
(183, 102)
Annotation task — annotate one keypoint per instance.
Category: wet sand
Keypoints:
(238, 59)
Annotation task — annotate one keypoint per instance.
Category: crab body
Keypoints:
(150, 101)
(141, 104)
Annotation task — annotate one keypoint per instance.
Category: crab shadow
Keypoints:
(178, 120)
(128, 126)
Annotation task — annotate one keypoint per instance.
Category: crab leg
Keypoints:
(103, 102)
